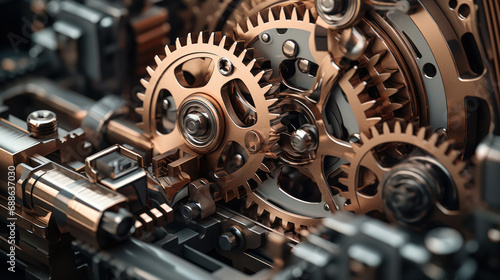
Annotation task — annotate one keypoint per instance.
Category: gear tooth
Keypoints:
(454, 155)
(307, 16)
(395, 106)
(178, 44)
(374, 60)
(239, 30)
(345, 168)
(260, 19)
(409, 129)
(295, 15)
(349, 74)
(243, 54)
(200, 38)
(260, 211)
(144, 82)
(233, 48)
(390, 91)
(260, 75)
(460, 165)
(139, 110)
(248, 203)
(433, 139)
(189, 40)
(251, 64)
(150, 71)
(271, 15)
(356, 147)
(157, 60)
(363, 137)
(373, 121)
(272, 218)
(211, 39)
(167, 50)
(374, 131)
(141, 96)
(397, 128)
(361, 89)
(422, 133)
(386, 129)
(222, 42)
(249, 24)
(344, 181)
(444, 147)
(350, 156)
(383, 77)
(367, 105)
(282, 13)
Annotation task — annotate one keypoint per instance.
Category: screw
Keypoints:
(304, 66)
(166, 104)
(225, 66)
(304, 139)
(191, 211)
(196, 124)
(290, 48)
(42, 123)
(266, 38)
(253, 141)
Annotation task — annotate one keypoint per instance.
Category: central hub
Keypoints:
(201, 122)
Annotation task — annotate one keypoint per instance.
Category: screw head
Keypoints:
(225, 66)
(266, 38)
(190, 211)
(42, 123)
(303, 139)
(227, 241)
(304, 66)
(290, 48)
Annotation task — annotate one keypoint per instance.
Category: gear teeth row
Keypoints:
(288, 12)
(421, 138)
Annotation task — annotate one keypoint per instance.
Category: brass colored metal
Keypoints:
(236, 117)
(364, 193)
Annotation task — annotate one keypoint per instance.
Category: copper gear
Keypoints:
(251, 7)
(204, 53)
(364, 157)
(368, 111)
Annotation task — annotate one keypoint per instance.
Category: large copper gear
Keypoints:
(189, 71)
(375, 71)
(366, 169)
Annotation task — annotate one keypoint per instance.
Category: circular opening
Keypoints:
(430, 70)
(464, 11)
(452, 4)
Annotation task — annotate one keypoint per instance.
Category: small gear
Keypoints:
(375, 160)
(209, 97)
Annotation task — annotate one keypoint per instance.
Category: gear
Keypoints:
(372, 162)
(252, 7)
(209, 97)
(285, 34)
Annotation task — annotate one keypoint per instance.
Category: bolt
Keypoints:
(304, 139)
(290, 48)
(227, 241)
(304, 66)
(225, 66)
(332, 7)
(326, 207)
(266, 38)
(234, 163)
(42, 123)
(195, 124)
(253, 141)
(191, 211)
(165, 104)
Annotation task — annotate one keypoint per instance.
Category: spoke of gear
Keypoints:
(217, 71)
(369, 161)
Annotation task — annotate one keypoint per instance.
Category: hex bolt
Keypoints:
(195, 124)
(227, 241)
(42, 123)
(191, 211)
(290, 48)
(304, 139)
